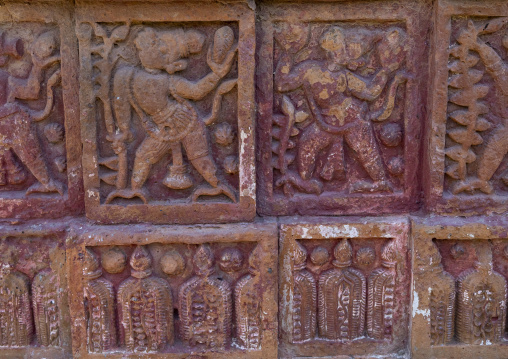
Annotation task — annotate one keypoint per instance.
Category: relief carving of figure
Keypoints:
(342, 295)
(99, 302)
(205, 305)
(304, 298)
(16, 323)
(337, 99)
(145, 305)
(17, 129)
(45, 291)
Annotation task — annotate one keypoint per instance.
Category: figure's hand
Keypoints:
(54, 79)
(45, 62)
(222, 69)
(469, 37)
(402, 77)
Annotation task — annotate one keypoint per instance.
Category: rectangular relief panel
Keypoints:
(40, 165)
(460, 288)
(34, 310)
(341, 95)
(468, 135)
(168, 121)
(170, 291)
(344, 287)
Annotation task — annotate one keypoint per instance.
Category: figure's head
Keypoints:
(149, 48)
(391, 49)
(45, 45)
(334, 43)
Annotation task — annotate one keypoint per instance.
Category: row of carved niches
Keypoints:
(343, 290)
(468, 291)
(173, 298)
(32, 155)
(33, 306)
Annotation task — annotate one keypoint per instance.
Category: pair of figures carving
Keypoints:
(162, 99)
(337, 96)
(17, 129)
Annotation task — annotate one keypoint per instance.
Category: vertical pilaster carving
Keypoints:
(304, 298)
(99, 301)
(205, 304)
(341, 297)
(45, 291)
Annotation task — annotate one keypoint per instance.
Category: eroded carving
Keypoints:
(304, 297)
(205, 304)
(114, 260)
(99, 302)
(333, 83)
(341, 297)
(145, 306)
(45, 291)
(231, 260)
(172, 263)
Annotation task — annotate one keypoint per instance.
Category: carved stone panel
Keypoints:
(459, 302)
(172, 291)
(338, 117)
(34, 314)
(168, 120)
(344, 287)
(40, 173)
(468, 138)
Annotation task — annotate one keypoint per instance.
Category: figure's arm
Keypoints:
(286, 78)
(194, 90)
(367, 90)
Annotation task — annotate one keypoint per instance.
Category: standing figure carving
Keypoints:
(145, 305)
(205, 305)
(17, 129)
(341, 297)
(16, 324)
(99, 302)
(380, 297)
(481, 301)
(304, 298)
(45, 292)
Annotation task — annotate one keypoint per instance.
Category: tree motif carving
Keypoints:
(380, 302)
(248, 305)
(205, 305)
(327, 103)
(45, 289)
(99, 302)
(341, 297)
(481, 301)
(145, 305)
(304, 298)
(18, 132)
(16, 324)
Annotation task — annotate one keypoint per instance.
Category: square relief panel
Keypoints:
(344, 288)
(173, 292)
(338, 115)
(34, 313)
(39, 169)
(167, 92)
(468, 136)
(460, 283)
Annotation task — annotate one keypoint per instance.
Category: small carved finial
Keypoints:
(365, 256)
(231, 260)
(172, 263)
(141, 263)
(299, 257)
(389, 256)
(203, 259)
(91, 267)
(343, 254)
(319, 256)
(114, 260)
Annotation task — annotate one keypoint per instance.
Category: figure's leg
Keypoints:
(334, 163)
(312, 141)
(15, 172)
(361, 139)
(148, 153)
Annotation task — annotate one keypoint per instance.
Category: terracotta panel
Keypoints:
(169, 292)
(344, 287)
(167, 120)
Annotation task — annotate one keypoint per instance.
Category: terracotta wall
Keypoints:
(254, 179)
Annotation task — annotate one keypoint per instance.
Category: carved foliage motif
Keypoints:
(45, 289)
(338, 87)
(32, 147)
(203, 285)
(152, 111)
(478, 97)
(342, 298)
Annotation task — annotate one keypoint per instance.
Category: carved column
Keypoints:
(341, 298)
(146, 306)
(205, 304)
(46, 308)
(99, 300)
